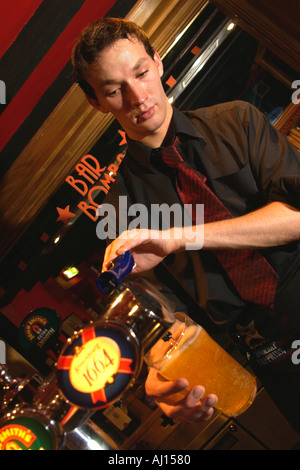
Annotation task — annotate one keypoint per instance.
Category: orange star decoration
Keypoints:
(123, 135)
(64, 215)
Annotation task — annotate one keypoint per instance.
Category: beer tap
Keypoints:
(99, 363)
(96, 367)
(15, 391)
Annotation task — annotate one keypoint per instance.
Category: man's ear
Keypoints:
(159, 63)
(95, 103)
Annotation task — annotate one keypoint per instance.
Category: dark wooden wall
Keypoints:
(275, 23)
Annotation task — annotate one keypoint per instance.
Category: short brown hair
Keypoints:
(94, 38)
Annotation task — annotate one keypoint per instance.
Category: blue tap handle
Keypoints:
(121, 267)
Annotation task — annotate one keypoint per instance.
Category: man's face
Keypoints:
(127, 83)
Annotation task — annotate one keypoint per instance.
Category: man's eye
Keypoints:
(112, 93)
(143, 73)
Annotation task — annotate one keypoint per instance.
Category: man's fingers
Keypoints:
(203, 411)
(125, 242)
(189, 407)
(200, 412)
(197, 415)
(158, 387)
(194, 396)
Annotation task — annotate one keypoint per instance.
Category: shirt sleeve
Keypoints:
(275, 161)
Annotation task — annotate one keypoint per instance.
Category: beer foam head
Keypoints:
(190, 334)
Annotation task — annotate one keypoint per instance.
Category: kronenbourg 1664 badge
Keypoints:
(98, 365)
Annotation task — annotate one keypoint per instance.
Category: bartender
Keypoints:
(246, 274)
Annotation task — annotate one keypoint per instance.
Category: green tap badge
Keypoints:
(26, 432)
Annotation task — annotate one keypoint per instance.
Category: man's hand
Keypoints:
(175, 402)
(148, 247)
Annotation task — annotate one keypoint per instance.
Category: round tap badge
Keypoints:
(98, 365)
(39, 329)
(27, 432)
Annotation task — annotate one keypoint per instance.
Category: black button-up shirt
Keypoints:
(247, 164)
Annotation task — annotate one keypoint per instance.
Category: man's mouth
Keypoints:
(143, 116)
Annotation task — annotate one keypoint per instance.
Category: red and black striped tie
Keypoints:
(251, 274)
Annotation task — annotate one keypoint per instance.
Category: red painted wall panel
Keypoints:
(48, 69)
(14, 15)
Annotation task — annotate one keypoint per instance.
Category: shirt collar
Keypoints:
(182, 125)
(141, 154)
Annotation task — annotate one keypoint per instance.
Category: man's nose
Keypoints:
(136, 95)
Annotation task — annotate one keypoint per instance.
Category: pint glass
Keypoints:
(192, 354)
